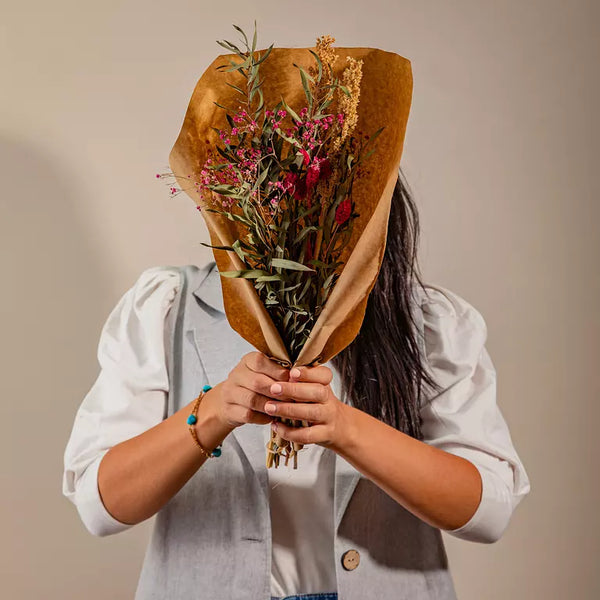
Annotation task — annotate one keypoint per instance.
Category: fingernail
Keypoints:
(270, 407)
(274, 426)
(295, 372)
(276, 388)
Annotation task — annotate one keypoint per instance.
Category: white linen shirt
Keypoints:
(130, 392)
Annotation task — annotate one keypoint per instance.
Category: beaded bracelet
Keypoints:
(192, 419)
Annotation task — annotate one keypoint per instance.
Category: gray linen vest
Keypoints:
(212, 540)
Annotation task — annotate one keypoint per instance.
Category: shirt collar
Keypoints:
(209, 290)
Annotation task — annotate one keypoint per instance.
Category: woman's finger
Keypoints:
(296, 410)
(315, 434)
(244, 414)
(248, 398)
(261, 363)
(255, 381)
(320, 374)
(291, 390)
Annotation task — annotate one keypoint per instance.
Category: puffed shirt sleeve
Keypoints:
(465, 419)
(128, 396)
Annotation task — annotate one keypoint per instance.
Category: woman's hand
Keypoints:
(315, 402)
(242, 396)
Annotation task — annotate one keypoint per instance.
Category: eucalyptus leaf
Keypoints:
(222, 153)
(242, 32)
(318, 263)
(278, 146)
(220, 106)
(230, 120)
(307, 91)
(240, 90)
(304, 232)
(265, 55)
(228, 248)
(291, 111)
(304, 213)
(224, 189)
(307, 285)
(229, 46)
(373, 136)
(289, 264)
(345, 90)
(261, 103)
(239, 66)
(293, 287)
(234, 67)
(319, 64)
(238, 250)
(234, 217)
(260, 179)
(245, 273)
(302, 70)
(288, 139)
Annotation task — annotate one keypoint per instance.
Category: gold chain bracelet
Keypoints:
(192, 420)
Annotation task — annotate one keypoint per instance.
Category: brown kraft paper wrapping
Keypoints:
(385, 99)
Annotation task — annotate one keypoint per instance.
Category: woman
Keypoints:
(406, 439)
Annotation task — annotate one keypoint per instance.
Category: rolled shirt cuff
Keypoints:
(90, 507)
(492, 516)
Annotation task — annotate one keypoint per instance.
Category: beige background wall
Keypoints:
(501, 153)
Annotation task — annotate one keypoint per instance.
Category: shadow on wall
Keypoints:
(53, 308)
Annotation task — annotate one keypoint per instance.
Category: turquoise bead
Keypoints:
(216, 452)
(191, 419)
(206, 387)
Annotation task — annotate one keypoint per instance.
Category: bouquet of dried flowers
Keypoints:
(286, 175)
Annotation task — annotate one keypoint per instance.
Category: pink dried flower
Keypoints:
(312, 175)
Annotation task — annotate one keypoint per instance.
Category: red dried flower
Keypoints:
(342, 212)
(300, 189)
(290, 179)
(306, 156)
(325, 168)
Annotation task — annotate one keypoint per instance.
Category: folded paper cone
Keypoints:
(385, 99)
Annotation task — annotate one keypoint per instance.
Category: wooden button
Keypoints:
(350, 559)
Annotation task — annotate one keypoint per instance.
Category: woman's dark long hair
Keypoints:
(382, 370)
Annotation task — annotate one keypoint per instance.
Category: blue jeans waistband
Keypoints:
(317, 596)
